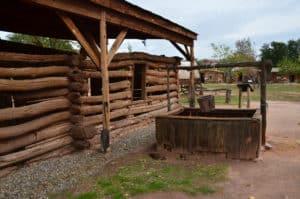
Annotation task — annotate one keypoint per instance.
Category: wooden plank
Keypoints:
(33, 84)
(81, 39)
(163, 96)
(168, 90)
(34, 109)
(105, 82)
(33, 71)
(116, 45)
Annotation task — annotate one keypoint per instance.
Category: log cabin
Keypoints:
(55, 102)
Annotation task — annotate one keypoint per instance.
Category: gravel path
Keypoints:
(58, 174)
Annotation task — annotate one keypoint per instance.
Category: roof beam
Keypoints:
(87, 9)
(81, 39)
(119, 40)
(128, 9)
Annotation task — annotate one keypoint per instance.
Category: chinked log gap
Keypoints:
(263, 93)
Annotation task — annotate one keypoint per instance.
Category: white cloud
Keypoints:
(267, 26)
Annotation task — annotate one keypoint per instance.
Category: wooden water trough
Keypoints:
(235, 132)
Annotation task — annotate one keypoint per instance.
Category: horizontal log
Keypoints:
(47, 140)
(33, 84)
(119, 85)
(112, 74)
(266, 63)
(33, 125)
(97, 119)
(148, 108)
(25, 140)
(20, 156)
(29, 58)
(160, 111)
(163, 96)
(163, 73)
(65, 150)
(161, 88)
(34, 71)
(34, 109)
(90, 110)
(159, 80)
(47, 93)
(99, 99)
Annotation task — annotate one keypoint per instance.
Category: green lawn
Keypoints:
(275, 92)
(145, 175)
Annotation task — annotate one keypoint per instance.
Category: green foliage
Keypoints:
(45, 42)
(89, 195)
(288, 66)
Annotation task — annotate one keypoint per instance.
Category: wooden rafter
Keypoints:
(187, 57)
(119, 40)
(80, 38)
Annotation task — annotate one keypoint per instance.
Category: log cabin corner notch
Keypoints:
(49, 87)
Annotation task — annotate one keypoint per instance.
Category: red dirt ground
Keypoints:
(275, 175)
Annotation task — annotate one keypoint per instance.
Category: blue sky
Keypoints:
(223, 22)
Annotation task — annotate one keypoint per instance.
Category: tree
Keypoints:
(45, 42)
(276, 52)
(244, 50)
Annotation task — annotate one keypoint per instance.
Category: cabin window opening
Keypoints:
(138, 92)
(96, 86)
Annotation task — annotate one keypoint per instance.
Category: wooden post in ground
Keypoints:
(248, 97)
(192, 79)
(263, 103)
(240, 97)
(105, 82)
(168, 89)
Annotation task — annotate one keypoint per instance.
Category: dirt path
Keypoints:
(276, 175)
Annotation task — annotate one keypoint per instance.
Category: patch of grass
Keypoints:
(275, 92)
(89, 195)
(204, 189)
(147, 176)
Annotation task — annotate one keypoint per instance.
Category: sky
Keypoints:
(222, 22)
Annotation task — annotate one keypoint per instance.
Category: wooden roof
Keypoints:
(39, 17)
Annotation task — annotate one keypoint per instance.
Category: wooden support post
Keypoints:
(80, 38)
(263, 103)
(168, 89)
(248, 97)
(192, 79)
(240, 98)
(105, 82)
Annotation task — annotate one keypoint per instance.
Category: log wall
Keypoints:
(35, 121)
(48, 107)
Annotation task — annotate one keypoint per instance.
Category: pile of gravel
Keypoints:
(59, 174)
